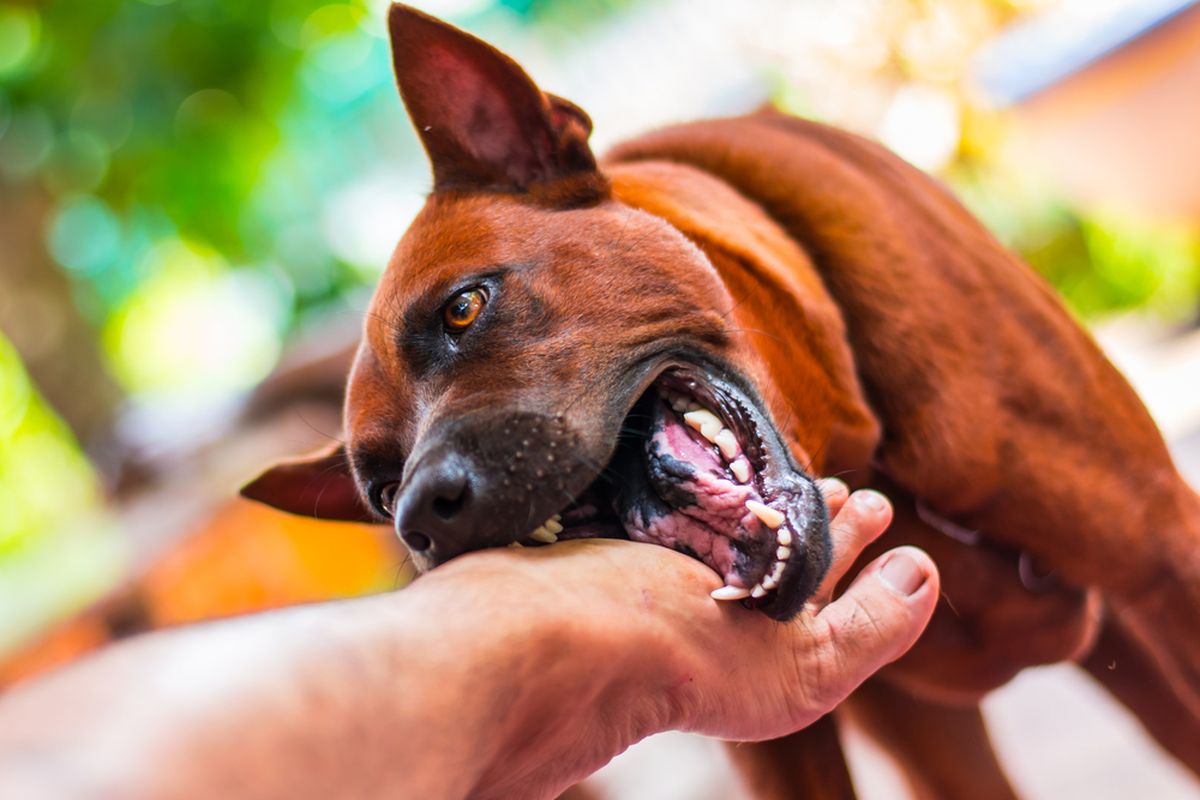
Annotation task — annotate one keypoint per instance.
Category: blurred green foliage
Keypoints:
(207, 126)
(208, 122)
(1099, 263)
(44, 479)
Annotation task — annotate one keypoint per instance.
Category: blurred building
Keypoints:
(1105, 99)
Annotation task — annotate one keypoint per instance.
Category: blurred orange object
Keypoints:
(244, 558)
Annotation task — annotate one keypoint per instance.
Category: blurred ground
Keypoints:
(1058, 734)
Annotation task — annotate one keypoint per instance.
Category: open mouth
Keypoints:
(699, 468)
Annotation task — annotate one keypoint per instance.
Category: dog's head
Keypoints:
(541, 361)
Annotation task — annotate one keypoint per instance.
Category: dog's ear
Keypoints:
(317, 485)
(484, 123)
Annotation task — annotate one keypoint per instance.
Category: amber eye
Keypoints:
(462, 310)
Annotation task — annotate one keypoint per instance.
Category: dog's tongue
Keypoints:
(695, 504)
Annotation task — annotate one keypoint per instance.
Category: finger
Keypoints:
(878, 618)
(864, 516)
(835, 491)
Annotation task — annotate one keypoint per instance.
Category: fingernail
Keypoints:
(831, 485)
(871, 499)
(901, 574)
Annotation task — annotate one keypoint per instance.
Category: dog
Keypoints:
(667, 345)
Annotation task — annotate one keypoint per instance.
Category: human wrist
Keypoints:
(567, 655)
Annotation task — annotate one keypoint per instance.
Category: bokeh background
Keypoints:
(196, 197)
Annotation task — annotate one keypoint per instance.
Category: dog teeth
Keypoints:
(730, 593)
(710, 427)
(728, 444)
(770, 517)
(708, 423)
(676, 401)
(540, 534)
(701, 419)
(515, 544)
(548, 531)
(771, 580)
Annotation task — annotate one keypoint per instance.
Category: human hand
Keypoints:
(503, 673)
(645, 648)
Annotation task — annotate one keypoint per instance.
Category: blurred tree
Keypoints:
(38, 311)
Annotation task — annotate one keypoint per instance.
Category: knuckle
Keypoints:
(865, 621)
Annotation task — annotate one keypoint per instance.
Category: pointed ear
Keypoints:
(317, 485)
(482, 120)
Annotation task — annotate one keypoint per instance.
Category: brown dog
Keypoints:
(667, 347)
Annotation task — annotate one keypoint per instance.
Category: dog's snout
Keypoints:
(486, 480)
(433, 513)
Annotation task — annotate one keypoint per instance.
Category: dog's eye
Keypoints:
(462, 310)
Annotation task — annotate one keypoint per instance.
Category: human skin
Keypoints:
(501, 674)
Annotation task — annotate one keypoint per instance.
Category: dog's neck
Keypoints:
(816, 398)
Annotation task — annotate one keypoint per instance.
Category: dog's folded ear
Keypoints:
(317, 485)
(483, 121)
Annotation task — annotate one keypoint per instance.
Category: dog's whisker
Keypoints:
(331, 437)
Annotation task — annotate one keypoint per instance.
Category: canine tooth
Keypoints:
(557, 517)
(515, 544)
(758, 591)
(783, 553)
(553, 526)
(784, 537)
(701, 419)
(740, 470)
(770, 517)
(728, 444)
(730, 593)
(542, 535)
(776, 573)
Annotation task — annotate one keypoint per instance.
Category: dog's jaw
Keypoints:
(728, 492)
(700, 468)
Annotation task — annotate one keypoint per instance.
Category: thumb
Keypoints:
(878, 618)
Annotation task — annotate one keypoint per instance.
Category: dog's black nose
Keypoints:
(485, 480)
(434, 513)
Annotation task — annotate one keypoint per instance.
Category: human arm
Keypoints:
(499, 674)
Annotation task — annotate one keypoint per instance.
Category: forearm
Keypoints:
(461, 685)
(501, 674)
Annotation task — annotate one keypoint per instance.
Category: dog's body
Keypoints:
(836, 298)
(987, 404)
(995, 410)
